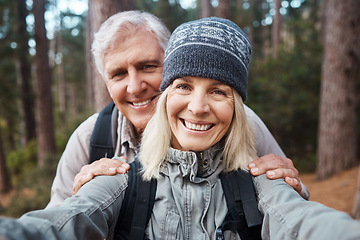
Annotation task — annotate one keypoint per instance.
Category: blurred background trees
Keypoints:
(305, 58)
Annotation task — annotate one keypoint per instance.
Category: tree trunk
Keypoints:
(337, 137)
(73, 98)
(99, 11)
(276, 29)
(239, 9)
(45, 130)
(323, 7)
(61, 79)
(223, 9)
(90, 65)
(206, 8)
(5, 184)
(27, 96)
(314, 11)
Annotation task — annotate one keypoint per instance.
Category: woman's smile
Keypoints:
(196, 126)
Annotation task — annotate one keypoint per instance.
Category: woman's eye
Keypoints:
(183, 87)
(219, 92)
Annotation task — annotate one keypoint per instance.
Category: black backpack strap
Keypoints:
(101, 143)
(139, 199)
(241, 201)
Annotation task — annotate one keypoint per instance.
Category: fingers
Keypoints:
(270, 162)
(291, 177)
(277, 167)
(281, 173)
(79, 180)
(295, 183)
(124, 166)
(104, 166)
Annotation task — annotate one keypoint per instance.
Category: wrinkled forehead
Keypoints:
(126, 31)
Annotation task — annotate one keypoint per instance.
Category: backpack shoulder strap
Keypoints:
(241, 201)
(101, 143)
(139, 199)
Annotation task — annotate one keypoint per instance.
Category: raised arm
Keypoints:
(288, 216)
(91, 214)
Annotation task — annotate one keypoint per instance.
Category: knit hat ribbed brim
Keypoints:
(212, 48)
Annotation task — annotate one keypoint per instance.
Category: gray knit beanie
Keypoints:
(212, 48)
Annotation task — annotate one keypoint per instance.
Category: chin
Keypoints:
(195, 148)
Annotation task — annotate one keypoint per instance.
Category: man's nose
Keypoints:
(135, 85)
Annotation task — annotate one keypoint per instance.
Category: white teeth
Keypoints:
(141, 103)
(197, 127)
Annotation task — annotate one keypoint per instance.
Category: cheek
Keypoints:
(171, 107)
(225, 113)
(115, 89)
(155, 80)
(174, 105)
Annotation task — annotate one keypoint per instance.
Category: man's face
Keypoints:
(133, 73)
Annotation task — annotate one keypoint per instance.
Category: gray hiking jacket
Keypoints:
(188, 205)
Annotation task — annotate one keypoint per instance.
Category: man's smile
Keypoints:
(142, 103)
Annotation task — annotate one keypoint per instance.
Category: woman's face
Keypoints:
(200, 111)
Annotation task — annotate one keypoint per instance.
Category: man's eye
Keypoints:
(119, 74)
(149, 68)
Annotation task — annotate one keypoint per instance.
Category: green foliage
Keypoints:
(63, 136)
(33, 192)
(9, 94)
(284, 92)
(305, 164)
(21, 161)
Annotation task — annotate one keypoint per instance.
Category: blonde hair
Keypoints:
(239, 149)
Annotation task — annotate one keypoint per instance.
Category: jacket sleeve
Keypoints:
(91, 214)
(288, 216)
(74, 157)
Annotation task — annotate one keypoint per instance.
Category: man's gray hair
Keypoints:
(121, 23)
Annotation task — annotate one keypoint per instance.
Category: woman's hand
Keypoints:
(278, 167)
(104, 166)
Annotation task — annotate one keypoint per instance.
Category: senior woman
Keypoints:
(192, 138)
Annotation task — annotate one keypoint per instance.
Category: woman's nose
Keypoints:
(198, 104)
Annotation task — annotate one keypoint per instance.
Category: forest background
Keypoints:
(303, 82)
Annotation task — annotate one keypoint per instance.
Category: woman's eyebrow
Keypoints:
(184, 79)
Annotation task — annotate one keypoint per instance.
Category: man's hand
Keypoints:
(104, 166)
(277, 167)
